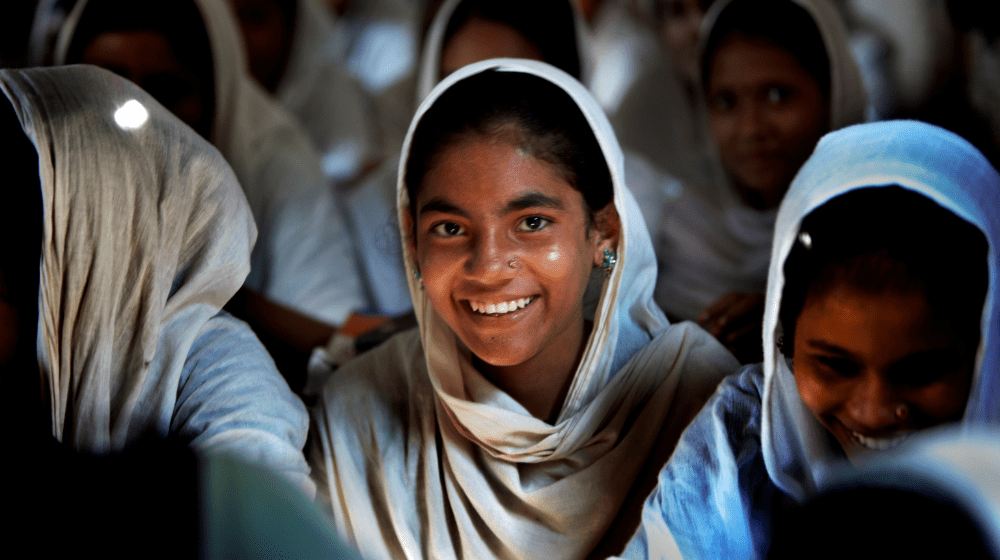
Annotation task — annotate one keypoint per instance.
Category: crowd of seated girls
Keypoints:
(546, 290)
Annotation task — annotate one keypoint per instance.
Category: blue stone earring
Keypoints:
(610, 260)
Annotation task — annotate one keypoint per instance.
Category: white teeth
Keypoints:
(499, 308)
(880, 444)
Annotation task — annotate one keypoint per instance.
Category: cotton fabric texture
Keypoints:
(708, 242)
(146, 237)
(756, 445)
(303, 257)
(419, 456)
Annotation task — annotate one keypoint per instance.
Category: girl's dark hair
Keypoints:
(549, 25)
(179, 21)
(781, 22)
(888, 239)
(531, 112)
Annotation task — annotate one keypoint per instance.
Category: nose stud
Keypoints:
(902, 411)
(512, 263)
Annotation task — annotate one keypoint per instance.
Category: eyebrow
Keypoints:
(438, 204)
(523, 202)
(827, 347)
(534, 200)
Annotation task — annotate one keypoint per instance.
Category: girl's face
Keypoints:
(482, 39)
(875, 368)
(766, 113)
(681, 23)
(505, 251)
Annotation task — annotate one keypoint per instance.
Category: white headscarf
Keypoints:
(146, 236)
(713, 242)
(913, 155)
(327, 100)
(303, 257)
(422, 457)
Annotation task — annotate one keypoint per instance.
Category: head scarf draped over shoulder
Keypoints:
(916, 156)
(146, 236)
(485, 478)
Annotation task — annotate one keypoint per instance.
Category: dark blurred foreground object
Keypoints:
(939, 498)
(158, 499)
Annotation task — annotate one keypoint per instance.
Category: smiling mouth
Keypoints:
(501, 308)
(880, 444)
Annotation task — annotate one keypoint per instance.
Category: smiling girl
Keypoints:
(775, 76)
(529, 413)
(880, 322)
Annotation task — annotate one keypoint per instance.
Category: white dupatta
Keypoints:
(419, 456)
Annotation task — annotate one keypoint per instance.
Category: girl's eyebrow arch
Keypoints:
(827, 347)
(438, 204)
(534, 200)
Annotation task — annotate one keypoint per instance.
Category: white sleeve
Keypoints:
(231, 399)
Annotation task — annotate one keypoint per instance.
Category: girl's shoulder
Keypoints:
(384, 393)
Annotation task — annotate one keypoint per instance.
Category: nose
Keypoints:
(752, 121)
(490, 257)
(874, 405)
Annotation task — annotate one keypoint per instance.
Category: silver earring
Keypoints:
(610, 260)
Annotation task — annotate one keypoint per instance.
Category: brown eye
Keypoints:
(533, 223)
(448, 229)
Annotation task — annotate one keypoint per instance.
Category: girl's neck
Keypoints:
(541, 383)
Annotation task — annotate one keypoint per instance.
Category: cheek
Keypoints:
(818, 395)
(723, 128)
(941, 402)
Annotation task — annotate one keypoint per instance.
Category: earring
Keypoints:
(419, 277)
(610, 260)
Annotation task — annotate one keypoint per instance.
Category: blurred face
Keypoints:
(681, 22)
(505, 251)
(875, 368)
(266, 38)
(482, 39)
(766, 114)
(146, 59)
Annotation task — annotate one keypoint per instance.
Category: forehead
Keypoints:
(479, 172)
(142, 49)
(750, 59)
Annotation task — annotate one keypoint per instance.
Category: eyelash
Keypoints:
(840, 367)
(523, 224)
(440, 229)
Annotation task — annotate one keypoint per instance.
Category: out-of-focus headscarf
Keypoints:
(915, 156)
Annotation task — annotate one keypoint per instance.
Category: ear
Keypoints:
(605, 231)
